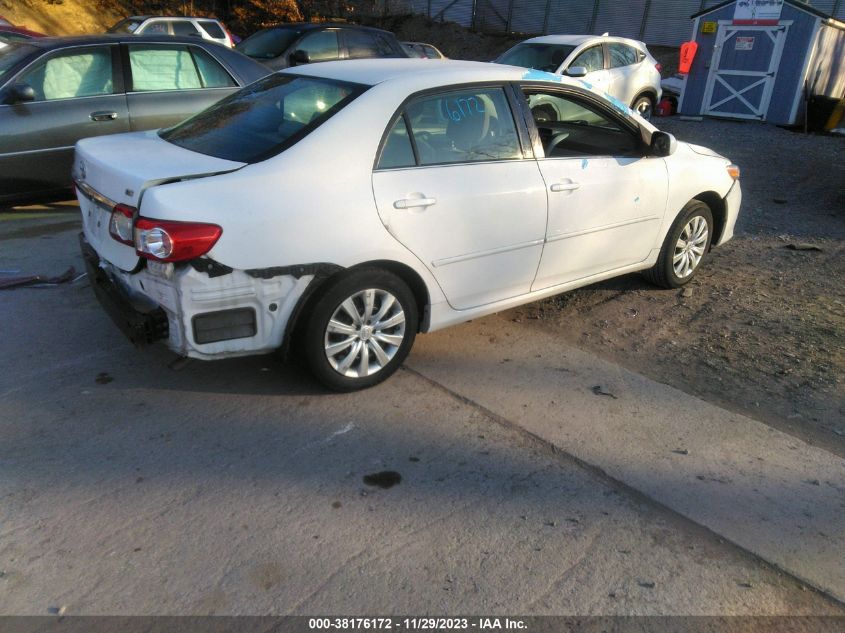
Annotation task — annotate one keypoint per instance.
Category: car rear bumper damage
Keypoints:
(202, 311)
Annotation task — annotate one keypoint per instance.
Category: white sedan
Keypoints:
(346, 206)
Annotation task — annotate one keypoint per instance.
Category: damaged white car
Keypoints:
(345, 207)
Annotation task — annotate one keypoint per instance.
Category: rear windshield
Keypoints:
(125, 26)
(547, 57)
(264, 118)
(13, 54)
(268, 43)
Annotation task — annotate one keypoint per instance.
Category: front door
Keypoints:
(76, 95)
(743, 70)
(452, 185)
(606, 199)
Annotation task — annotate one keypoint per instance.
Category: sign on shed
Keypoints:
(744, 44)
(757, 11)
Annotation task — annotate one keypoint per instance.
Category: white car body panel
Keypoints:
(309, 206)
(624, 83)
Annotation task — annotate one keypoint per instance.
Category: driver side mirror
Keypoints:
(19, 93)
(300, 56)
(576, 71)
(663, 144)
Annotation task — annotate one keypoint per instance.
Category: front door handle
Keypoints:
(410, 203)
(103, 116)
(565, 186)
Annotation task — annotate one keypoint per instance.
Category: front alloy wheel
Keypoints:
(684, 248)
(689, 249)
(360, 329)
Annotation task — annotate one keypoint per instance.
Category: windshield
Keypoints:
(547, 57)
(268, 43)
(264, 118)
(13, 54)
(125, 26)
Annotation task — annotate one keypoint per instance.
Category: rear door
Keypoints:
(167, 83)
(78, 93)
(455, 187)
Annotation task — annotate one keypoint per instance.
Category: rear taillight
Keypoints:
(167, 241)
(228, 35)
(120, 223)
(659, 67)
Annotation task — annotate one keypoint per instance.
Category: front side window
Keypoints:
(74, 73)
(14, 55)
(264, 118)
(163, 67)
(621, 55)
(320, 46)
(547, 57)
(592, 59)
(463, 126)
(571, 127)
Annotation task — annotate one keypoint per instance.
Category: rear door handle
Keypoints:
(565, 186)
(103, 116)
(410, 203)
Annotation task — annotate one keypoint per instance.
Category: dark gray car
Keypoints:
(285, 45)
(55, 91)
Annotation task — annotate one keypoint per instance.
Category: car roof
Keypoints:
(577, 40)
(307, 26)
(169, 17)
(418, 74)
(49, 43)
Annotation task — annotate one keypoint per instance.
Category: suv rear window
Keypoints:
(263, 119)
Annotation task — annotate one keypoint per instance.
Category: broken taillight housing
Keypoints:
(733, 171)
(659, 67)
(168, 241)
(120, 223)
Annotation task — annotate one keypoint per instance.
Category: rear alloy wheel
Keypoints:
(684, 247)
(644, 106)
(360, 330)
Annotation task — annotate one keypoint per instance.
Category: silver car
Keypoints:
(55, 91)
(205, 28)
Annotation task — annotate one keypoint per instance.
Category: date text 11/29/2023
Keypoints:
(415, 624)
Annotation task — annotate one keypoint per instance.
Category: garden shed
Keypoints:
(756, 58)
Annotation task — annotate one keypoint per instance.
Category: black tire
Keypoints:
(646, 103)
(328, 303)
(663, 273)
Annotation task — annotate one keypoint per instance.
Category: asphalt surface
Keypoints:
(133, 485)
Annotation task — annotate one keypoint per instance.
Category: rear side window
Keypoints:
(125, 26)
(592, 59)
(398, 151)
(75, 73)
(463, 126)
(264, 118)
(183, 27)
(361, 44)
(212, 74)
(162, 67)
(213, 29)
(621, 55)
(320, 46)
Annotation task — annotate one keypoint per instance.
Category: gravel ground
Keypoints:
(763, 331)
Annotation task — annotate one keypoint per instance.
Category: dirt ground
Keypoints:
(763, 332)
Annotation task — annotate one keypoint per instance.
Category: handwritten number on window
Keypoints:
(460, 109)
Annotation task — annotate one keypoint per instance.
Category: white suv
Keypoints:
(206, 28)
(622, 68)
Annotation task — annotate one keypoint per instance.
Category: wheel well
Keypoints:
(651, 94)
(717, 208)
(311, 295)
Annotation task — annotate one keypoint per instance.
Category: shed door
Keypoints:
(743, 70)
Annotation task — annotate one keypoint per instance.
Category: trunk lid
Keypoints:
(118, 169)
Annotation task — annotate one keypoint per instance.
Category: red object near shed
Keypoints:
(688, 50)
